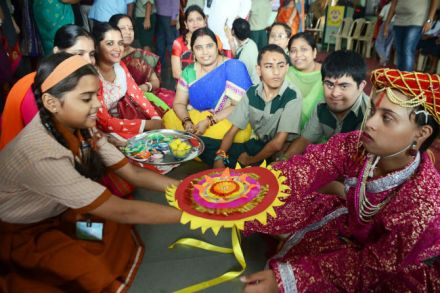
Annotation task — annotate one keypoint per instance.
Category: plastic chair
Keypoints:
(421, 62)
(319, 29)
(355, 32)
(366, 40)
(343, 31)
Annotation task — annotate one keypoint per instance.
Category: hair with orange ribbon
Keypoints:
(58, 74)
(63, 70)
(422, 89)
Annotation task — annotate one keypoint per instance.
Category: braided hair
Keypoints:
(90, 164)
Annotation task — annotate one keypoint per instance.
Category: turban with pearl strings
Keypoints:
(420, 88)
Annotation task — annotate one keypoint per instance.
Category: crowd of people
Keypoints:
(411, 30)
(363, 213)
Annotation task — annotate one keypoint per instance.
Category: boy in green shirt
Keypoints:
(273, 110)
(345, 103)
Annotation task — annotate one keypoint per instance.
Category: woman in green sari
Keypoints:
(305, 72)
(50, 15)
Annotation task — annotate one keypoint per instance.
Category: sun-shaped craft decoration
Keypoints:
(228, 198)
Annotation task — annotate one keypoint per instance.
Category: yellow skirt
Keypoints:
(217, 131)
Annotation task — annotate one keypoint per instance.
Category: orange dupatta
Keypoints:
(12, 122)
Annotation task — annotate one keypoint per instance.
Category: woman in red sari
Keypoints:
(117, 87)
(384, 236)
(143, 65)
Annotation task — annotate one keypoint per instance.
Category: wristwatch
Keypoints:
(429, 20)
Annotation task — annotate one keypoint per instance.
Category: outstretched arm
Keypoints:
(136, 212)
(147, 21)
(130, 8)
(145, 178)
(432, 8)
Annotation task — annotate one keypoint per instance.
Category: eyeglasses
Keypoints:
(279, 36)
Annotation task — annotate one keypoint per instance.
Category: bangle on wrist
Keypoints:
(149, 85)
(221, 155)
(186, 120)
(212, 120)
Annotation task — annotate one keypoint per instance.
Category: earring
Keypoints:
(54, 110)
(413, 149)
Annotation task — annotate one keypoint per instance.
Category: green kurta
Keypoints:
(50, 15)
(311, 88)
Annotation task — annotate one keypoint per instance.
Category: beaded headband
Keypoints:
(421, 88)
(63, 70)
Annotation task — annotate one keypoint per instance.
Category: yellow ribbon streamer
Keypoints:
(236, 249)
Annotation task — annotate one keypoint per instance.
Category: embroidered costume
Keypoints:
(331, 248)
(384, 236)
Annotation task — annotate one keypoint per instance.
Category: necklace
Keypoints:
(366, 209)
(107, 75)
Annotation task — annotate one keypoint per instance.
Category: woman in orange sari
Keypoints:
(292, 14)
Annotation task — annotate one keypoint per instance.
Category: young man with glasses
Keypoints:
(344, 105)
(271, 107)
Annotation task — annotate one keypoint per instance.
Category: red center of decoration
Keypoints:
(224, 188)
(266, 177)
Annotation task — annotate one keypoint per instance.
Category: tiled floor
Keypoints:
(164, 270)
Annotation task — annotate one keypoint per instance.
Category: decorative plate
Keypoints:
(228, 198)
(163, 147)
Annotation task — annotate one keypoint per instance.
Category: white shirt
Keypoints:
(384, 12)
(224, 12)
